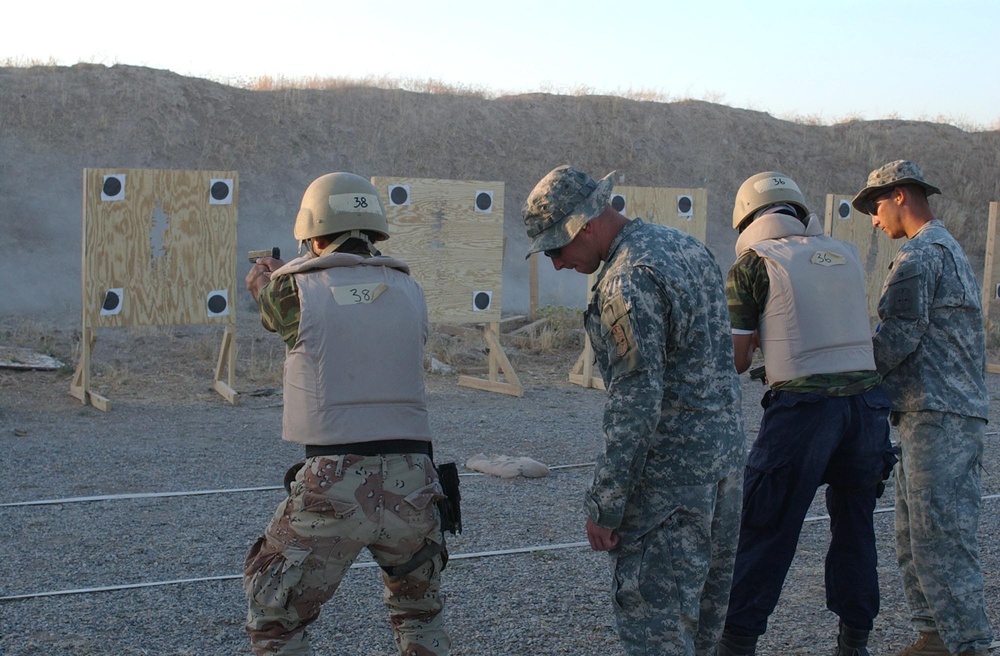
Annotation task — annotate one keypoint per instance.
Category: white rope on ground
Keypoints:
(887, 509)
(478, 554)
(194, 493)
(135, 495)
(228, 577)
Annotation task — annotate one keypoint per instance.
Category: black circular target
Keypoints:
(220, 190)
(398, 195)
(844, 210)
(483, 201)
(684, 205)
(481, 300)
(111, 301)
(216, 303)
(618, 202)
(112, 186)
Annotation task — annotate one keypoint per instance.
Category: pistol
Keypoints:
(758, 373)
(274, 252)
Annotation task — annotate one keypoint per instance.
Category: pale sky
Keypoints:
(824, 60)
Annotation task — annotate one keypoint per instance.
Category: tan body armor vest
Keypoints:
(356, 373)
(815, 320)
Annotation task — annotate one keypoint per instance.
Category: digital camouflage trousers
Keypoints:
(671, 585)
(938, 497)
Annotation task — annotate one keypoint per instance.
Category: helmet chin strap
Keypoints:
(335, 245)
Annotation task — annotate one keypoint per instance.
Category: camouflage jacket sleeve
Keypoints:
(628, 336)
(904, 308)
(747, 287)
(279, 308)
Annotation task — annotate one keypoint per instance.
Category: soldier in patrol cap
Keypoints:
(354, 399)
(931, 348)
(666, 491)
(800, 296)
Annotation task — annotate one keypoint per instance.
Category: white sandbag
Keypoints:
(507, 466)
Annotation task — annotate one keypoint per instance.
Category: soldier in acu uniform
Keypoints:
(355, 324)
(666, 491)
(931, 348)
(800, 295)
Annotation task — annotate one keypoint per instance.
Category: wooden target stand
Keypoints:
(450, 233)
(875, 250)
(159, 248)
(684, 209)
(991, 279)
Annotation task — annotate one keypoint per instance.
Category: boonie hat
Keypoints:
(561, 204)
(893, 174)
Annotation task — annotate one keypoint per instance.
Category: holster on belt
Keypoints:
(291, 474)
(450, 507)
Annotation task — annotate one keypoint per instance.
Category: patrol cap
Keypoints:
(561, 204)
(893, 174)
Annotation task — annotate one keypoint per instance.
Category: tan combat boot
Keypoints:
(928, 644)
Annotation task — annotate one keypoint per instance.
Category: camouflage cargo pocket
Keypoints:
(327, 506)
(271, 571)
(421, 503)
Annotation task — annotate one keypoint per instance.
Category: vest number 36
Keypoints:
(825, 258)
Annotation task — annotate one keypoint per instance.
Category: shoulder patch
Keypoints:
(619, 337)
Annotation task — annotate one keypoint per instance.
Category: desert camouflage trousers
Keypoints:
(337, 506)
(938, 497)
(671, 585)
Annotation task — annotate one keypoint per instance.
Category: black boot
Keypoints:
(737, 645)
(851, 642)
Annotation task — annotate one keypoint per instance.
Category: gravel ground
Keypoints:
(544, 601)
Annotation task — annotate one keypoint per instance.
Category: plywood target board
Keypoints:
(159, 247)
(450, 233)
(875, 249)
(991, 278)
(991, 272)
(684, 209)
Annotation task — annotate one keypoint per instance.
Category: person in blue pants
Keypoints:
(800, 296)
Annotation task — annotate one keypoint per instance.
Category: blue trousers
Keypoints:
(806, 440)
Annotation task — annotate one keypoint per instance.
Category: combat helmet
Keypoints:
(341, 203)
(765, 189)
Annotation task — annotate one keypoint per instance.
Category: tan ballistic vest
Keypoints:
(356, 373)
(815, 320)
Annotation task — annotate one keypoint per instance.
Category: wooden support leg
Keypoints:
(498, 361)
(227, 361)
(80, 386)
(582, 373)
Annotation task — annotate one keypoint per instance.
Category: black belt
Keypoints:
(377, 448)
